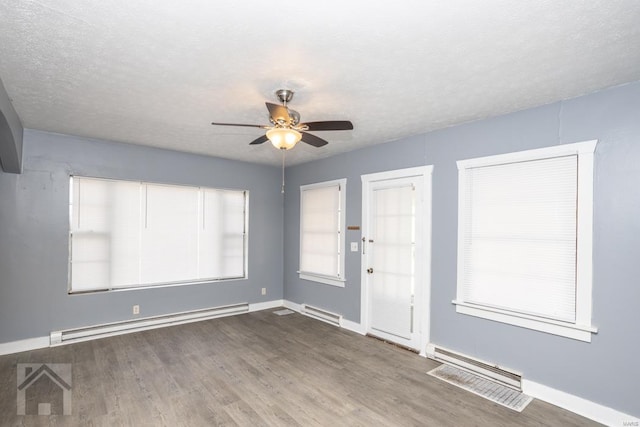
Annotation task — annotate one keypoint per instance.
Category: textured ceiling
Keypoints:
(158, 72)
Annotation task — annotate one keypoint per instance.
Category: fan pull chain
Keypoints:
(283, 153)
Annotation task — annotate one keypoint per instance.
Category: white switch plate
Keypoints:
(354, 246)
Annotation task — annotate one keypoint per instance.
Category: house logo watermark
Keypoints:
(44, 389)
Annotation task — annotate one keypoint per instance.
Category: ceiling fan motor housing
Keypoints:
(284, 95)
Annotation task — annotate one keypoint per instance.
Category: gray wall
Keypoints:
(604, 371)
(34, 226)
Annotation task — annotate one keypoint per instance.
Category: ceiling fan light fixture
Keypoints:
(286, 130)
(283, 138)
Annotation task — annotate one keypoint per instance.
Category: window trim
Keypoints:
(340, 279)
(581, 329)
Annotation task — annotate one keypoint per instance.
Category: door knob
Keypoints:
(370, 270)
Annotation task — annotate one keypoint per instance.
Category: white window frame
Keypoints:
(338, 280)
(581, 329)
(147, 285)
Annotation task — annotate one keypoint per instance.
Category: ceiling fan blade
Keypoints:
(259, 140)
(330, 125)
(239, 124)
(313, 140)
(278, 113)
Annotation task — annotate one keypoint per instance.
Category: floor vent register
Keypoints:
(483, 387)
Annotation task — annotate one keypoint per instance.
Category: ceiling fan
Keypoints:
(286, 130)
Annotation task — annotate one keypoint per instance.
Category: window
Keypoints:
(322, 232)
(525, 239)
(129, 234)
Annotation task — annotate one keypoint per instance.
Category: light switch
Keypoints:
(354, 246)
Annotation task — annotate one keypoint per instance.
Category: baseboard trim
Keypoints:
(24, 345)
(44, 342)
(579, 405)
(292, 306)
(267, 305)
(353, 326)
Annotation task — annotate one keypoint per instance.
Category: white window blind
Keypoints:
(322, 231)
(128, 234)
(520, 237)
(169, 241)
(222, 234)
(525, 238)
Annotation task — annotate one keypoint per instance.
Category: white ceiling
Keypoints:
(158, 72)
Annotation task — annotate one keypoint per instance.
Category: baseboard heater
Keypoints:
(117, 328)
(492, 372)
(320, 314)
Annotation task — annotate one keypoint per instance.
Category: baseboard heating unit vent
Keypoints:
(320, 314)
(492, 372)
(133, 325)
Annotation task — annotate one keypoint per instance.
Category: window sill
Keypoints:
(576, 332)
(327, 280)
(155, 285)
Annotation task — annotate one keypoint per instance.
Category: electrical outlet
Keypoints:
(264, 291)
(136, 309)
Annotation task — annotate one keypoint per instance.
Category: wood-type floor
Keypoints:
(258, 369)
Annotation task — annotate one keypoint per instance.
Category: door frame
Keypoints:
(423, 250)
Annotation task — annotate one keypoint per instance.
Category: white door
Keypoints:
(396, 257)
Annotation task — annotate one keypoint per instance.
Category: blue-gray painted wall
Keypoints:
(606, 370)
(34, 226)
